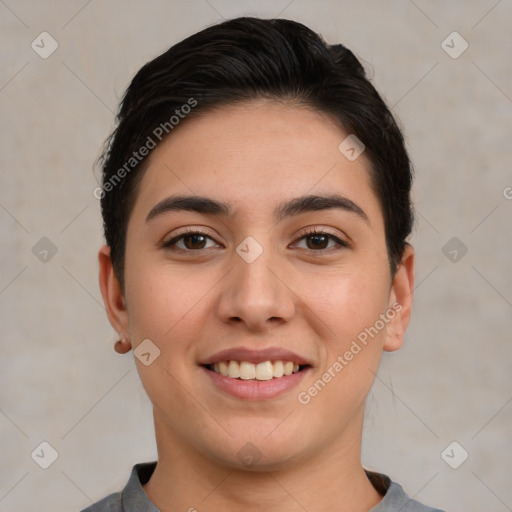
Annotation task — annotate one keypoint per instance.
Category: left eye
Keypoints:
(319, 239)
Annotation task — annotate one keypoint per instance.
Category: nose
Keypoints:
(257, 294)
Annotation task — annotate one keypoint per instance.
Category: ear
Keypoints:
(400, 301)
(112, 294)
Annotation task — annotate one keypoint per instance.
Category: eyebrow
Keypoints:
(295, 206)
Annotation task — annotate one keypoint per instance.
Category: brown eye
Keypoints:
(319, 241)
(195, 241)
(188, 242)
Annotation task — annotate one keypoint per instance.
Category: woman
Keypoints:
(256, 206)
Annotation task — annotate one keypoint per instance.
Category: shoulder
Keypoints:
(408, 504)
(111, 503)
(132, 497)
(394, 497)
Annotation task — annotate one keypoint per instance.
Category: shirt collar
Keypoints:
(134, 498)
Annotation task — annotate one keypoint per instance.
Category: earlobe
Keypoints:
(112, 293)
(400, 301)
(122, 346)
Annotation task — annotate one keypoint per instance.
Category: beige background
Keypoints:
(60, 380)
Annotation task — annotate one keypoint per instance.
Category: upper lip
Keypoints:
(255, 356)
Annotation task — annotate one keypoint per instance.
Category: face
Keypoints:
(267, 279)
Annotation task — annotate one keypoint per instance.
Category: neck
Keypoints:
(186, 480)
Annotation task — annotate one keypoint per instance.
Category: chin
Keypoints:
(259, 454)
(257, 462)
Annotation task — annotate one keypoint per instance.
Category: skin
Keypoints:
(313, 301)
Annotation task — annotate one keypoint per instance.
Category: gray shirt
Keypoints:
(133, 498)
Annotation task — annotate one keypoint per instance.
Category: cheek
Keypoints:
(166, 303)
(161, 308)
(347, 301)
(352, 307)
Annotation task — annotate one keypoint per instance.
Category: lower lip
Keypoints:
(255, 389)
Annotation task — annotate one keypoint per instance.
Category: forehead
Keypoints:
(254, 155)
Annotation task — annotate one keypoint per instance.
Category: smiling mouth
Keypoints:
(266, 370)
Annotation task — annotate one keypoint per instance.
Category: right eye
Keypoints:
(191, 240)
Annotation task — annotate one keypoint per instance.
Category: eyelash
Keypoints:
(170, 243)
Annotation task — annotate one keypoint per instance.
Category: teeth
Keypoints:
(223, 368)
(247, 370)
(233, 370)
(266, 370)
(278, 369)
